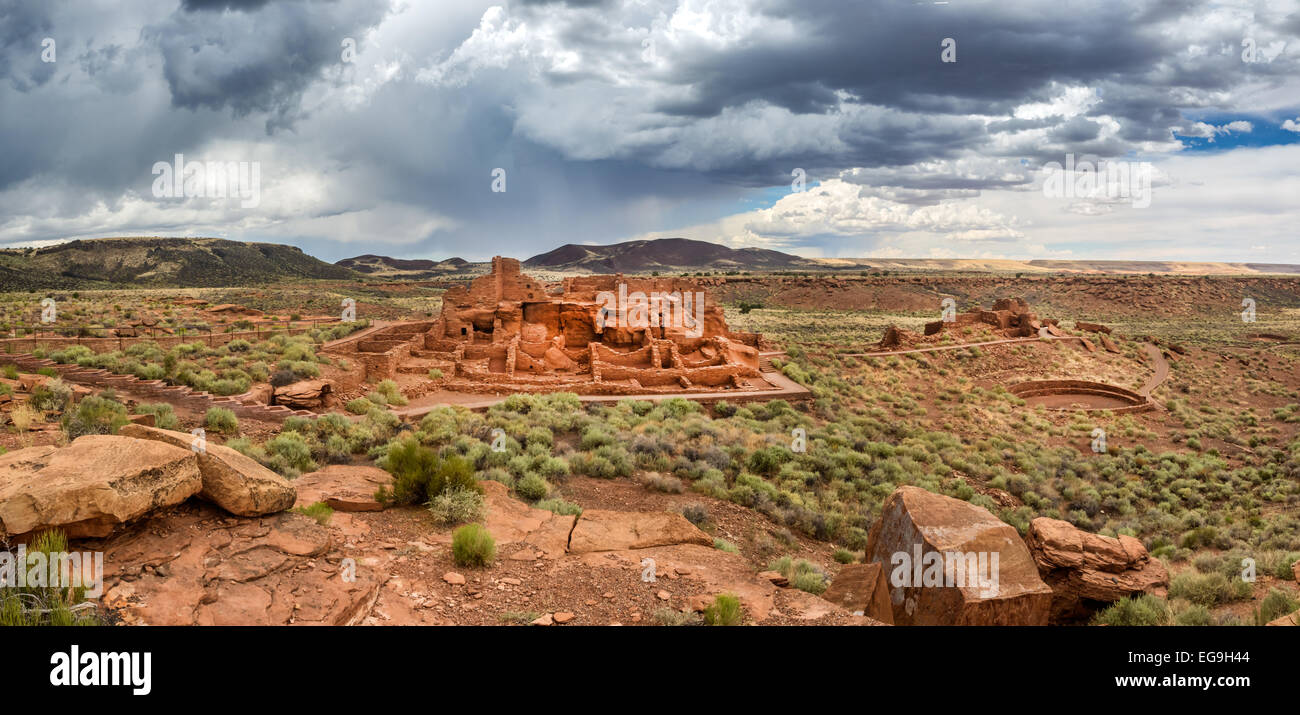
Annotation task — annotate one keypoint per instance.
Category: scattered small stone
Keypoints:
(664, 595)
(563, 617)
(453, 578)
(544, 620)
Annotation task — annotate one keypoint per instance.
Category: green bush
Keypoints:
(724, 611)
(290, 454)
(419, 474)
(320, 511)
(532, 487)
(1209, 589)
(559, 506)
(95, 415)
(221, 419)
(472, 545)
(1276, 604)
(31, 605)
(1145, 610)
(53, 396)
(457, 506)
(359, 406)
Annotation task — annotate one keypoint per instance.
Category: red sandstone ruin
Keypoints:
(603, 334)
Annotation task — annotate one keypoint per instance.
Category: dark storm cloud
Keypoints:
(824, 85)
(23, 27)
(257, 61)
(198, 5)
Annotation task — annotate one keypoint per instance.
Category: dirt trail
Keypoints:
(1161, 373)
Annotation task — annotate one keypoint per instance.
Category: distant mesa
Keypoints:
(385, 266)
(663, 254)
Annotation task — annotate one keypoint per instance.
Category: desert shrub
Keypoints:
(532, 487)
(392, 395)
(664, 483)
(497, 474)
(1191, 614)
(844, 556)
(1209, 589)
(697, 514)
(10, 371)
(95, 415)
(320, 511)
(221, 419)
(1145, 610)
(802, 574)
(359, 406)
(724, 545)
(22, 418)
(1276, 604)
(724, 611)
(31, 605)
(53, 396)
(290, 454)
(472, 545)
(238, 345)
(282, 377)
(559, 506)
(457, 506)
(419, 474)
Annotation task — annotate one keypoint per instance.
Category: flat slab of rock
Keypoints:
(512, 521)
(344, 487)
(918, 529)
(194, 565)
(231, 480)
(1086, 570)
(863, 590)
(603, 530)
(93, 485)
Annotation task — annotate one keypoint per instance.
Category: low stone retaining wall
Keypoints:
(154, 390)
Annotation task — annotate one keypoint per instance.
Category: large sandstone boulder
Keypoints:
(862, 589)
(194, 565)
(93, 485)
(939, 554)
(231, 480)
(1087, 571)
(602, 530)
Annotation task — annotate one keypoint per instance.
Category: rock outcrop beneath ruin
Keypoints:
(920, 535)
(231, 480)
(1087, 571)
(304, 395)
(602, 530)
(92, 486)
(862, 589)
(193, 565)
(1010, 316)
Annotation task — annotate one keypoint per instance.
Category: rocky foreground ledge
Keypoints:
(206, 538)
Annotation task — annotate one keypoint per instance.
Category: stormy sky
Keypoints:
(836, 128)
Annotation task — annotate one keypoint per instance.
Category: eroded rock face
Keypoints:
(1087, 571)
(917, 529)
(194, 565)
(345, 487)
(231, 480)
(603, 530)
(93, 485)
(307, 394)
(862, 589)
